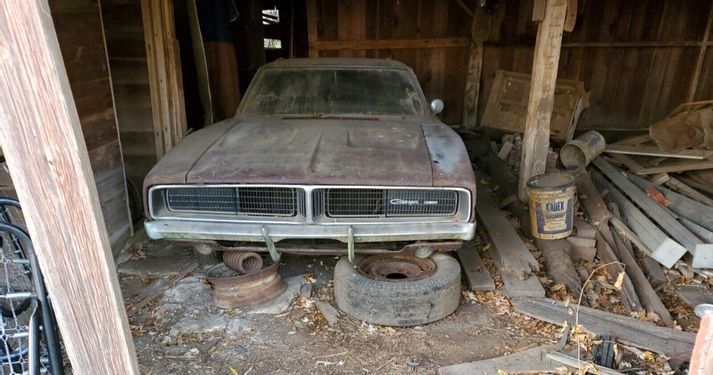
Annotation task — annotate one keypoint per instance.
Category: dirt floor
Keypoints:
(182, 332)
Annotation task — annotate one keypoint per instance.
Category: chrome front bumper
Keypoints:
(257, 232)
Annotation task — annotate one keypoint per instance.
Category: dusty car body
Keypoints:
(320, 149)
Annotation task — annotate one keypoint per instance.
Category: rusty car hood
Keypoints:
(317, 151)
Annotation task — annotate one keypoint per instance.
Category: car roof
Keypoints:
(336, 62)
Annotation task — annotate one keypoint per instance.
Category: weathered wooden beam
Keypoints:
(516, 264)
(465, 8)
(647, 295)
(559, 264)
(634, 140)
(629, 298)
(164, 72)
(530, 361)
(44, 147)
(680, 205)
(651, 269)
(678, 167)
(672, 182)
(331, 45)
(653, 209)
(701, 57)
(571, 18)
(583, 366)
(312, 28)
(478, 276)
(663, 249)
(628, 331)
(592, 201)
(542, 92)
(479, 31)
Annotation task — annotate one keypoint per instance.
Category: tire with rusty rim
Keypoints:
(398, 290)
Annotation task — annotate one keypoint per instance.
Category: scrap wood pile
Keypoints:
(640, 255)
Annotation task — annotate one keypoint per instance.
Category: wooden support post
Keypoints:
(542, 92)
(312, 28)
(45, 150)
(479, 33)
(701, 56)
(165, 77)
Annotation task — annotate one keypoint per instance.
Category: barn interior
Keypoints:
(518, 79)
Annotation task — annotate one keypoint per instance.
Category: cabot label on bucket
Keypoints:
(551, 205)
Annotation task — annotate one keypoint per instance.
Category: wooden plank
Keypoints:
(672, 182)
(530, 361)
(164, 73)
(43, 144)
(661, 247)
(629, 298)
(628, 331)
(592, 201)
(542, 90)
(312, 28)
(516, 263)
(584, 366)
(331, 45)
(697, 184)
(680, 187)
(559, 265)
(538, 10)
(698, 230)
(474, 268)
(479, 33)
(646, 293)
(159, 288)
(654, 151)
(634, 140)
(571, 19)
(680, 205)
(701, 57)
(677, 231)
(650, 268)
(584, 229)
(465, 8)
(678, 167)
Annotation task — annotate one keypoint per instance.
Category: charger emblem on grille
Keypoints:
(410, 202)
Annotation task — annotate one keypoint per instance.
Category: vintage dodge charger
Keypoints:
(328, 156)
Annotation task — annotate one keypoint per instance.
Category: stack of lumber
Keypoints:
(640, 232)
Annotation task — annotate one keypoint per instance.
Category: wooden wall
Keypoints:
(127, 58)
(637, 57)
(78, 24)
(431, 36)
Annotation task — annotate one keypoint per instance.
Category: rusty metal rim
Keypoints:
(396, 267)
(247, 290)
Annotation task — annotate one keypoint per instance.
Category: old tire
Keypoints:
(399, 303)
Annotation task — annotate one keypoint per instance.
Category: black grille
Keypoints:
(245, 201)
(364, 203)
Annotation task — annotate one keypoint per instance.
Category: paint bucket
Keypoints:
(581, 151)
(552, 197)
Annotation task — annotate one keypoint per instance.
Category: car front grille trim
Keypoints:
(323, 204)
(240, 201)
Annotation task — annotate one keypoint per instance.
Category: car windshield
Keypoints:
(333, 91)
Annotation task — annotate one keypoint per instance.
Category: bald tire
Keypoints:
(399, 303)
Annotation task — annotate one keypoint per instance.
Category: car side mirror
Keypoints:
(437, 106)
